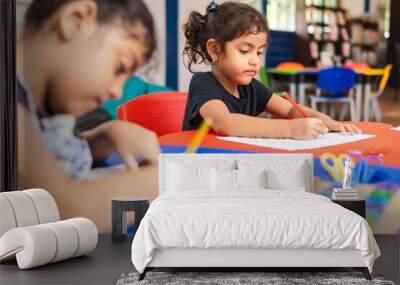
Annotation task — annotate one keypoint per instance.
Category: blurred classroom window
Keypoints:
(326, 3)
(253, 3)
(281, 15)
(21, 6)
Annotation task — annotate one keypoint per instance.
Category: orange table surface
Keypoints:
(362, 71)
(386, 142)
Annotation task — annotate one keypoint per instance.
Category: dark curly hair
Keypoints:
(228, 21)
(129, 11)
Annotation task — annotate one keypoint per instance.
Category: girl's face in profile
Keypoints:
(94, 66)
(241, 60)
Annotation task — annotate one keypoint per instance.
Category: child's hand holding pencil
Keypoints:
(310, 126)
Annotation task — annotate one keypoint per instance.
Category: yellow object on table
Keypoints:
(199, 136)
(336, 167)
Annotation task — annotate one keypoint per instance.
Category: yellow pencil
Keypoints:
(199, 136)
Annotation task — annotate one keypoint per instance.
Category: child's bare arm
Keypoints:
(282, 108)
(233, 124)
(91, 198)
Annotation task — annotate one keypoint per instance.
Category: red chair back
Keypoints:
(161, 112)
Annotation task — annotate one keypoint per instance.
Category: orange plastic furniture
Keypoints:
(290, 65)
(161, 112)
(357, 65)
(372, 98)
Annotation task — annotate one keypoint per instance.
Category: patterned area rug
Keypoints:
(242, 278)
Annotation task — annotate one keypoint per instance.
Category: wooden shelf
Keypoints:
(364, 31)
(326, 41)
(327, 35)
(317, 24)
(325, 8)
(364, 45)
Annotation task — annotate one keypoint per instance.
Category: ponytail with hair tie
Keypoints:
(213, 6)
(223, 23)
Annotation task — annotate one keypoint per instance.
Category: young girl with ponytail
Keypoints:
(233, 37)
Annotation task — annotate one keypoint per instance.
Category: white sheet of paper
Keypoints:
(329, 139)
(396, 129)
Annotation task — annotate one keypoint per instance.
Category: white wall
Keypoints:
(155, 70)
(21, 6)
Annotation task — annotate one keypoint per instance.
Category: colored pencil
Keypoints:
(199, 136)
(295, 105)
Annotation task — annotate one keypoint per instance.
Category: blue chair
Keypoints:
(335, 85)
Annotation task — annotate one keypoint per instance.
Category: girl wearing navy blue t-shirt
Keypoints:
(233, 37)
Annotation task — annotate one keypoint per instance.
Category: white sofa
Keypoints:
(31, 231)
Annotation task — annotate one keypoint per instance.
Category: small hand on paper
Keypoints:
(131, 140)
(126, 139)
(307, 128)
(344, 128)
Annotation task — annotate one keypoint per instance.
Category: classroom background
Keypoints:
(306, 36)
(292, 32)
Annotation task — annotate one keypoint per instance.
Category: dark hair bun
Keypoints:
(194, 30)
(223, 23)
